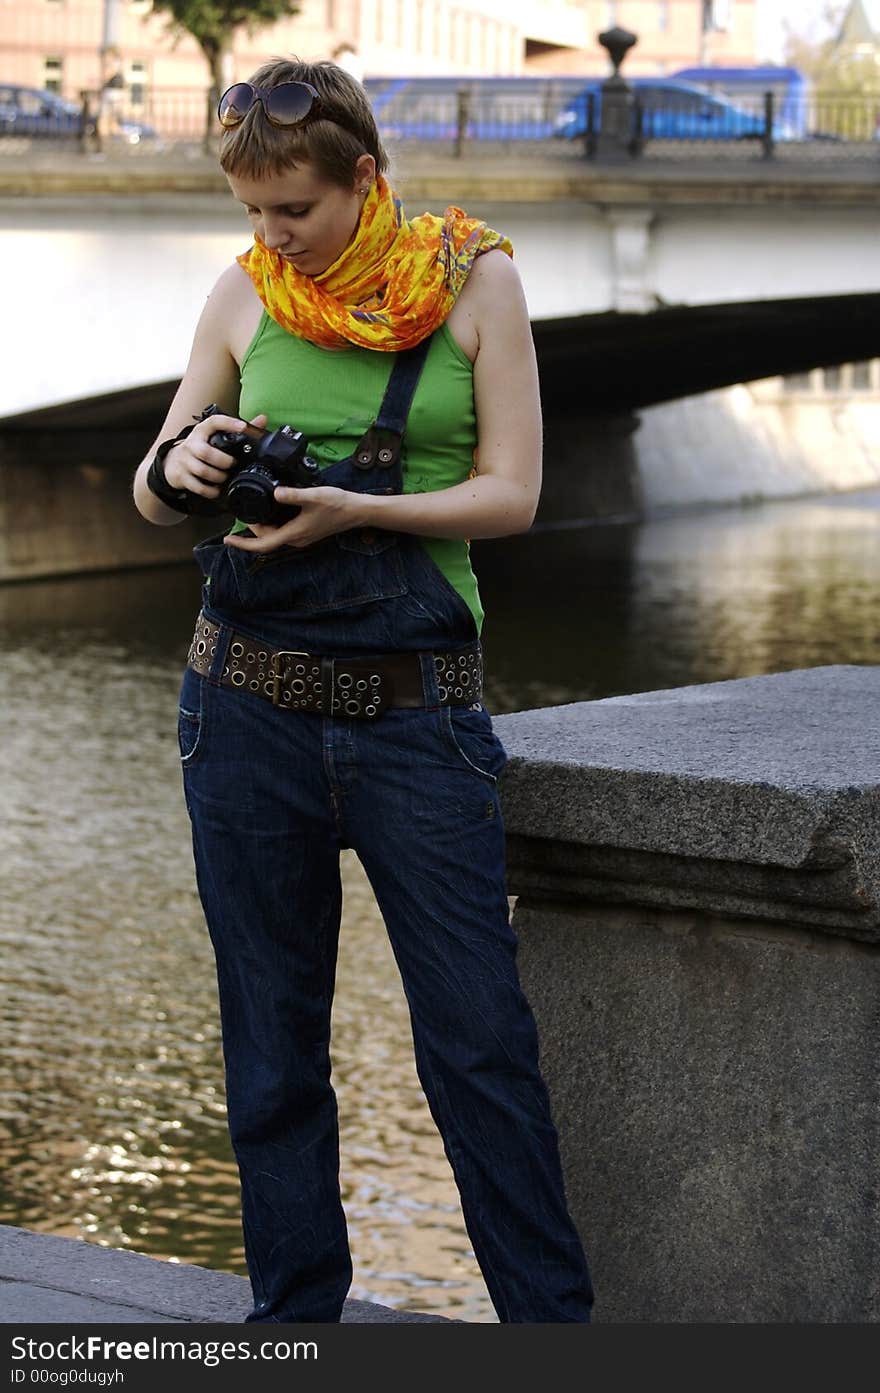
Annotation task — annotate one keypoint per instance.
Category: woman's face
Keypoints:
(302, 215)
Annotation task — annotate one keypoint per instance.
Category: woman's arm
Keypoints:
(211, 375)
(503, 495)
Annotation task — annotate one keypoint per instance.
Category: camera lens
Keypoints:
(252, 498)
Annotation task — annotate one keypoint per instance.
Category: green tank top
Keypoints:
(333, 396)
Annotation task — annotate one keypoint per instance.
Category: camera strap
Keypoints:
(382, 443)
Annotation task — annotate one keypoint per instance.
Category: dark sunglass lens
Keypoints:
(235, 104)
(289, 103)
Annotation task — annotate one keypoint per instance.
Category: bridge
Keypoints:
(644, 284)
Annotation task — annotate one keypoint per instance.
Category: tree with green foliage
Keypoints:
(213, 23)
(844, 72)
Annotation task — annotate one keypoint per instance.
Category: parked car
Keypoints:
(487, 108)
(670, 110)
(28, 111)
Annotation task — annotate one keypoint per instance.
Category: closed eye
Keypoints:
(287, 211)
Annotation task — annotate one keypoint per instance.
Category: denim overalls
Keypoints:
(273, 795)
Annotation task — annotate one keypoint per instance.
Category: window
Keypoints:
(717, 14)
(662, 15)
(833, 378)
(693, 103)
(28, 103)
(797, 382)
(671, 98)
(136, 82)
(471, 42)
(52, 74)
(459, 26)
(861, 377)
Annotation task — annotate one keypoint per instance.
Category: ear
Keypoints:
(364, 171)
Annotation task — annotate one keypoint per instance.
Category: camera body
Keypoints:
(264, 459)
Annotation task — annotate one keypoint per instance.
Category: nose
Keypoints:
(275, 231)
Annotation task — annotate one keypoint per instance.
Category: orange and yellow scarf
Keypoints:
(394, 284)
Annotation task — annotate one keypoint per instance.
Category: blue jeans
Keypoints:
(273, 795)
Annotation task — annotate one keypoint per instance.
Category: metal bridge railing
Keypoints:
(555, 119)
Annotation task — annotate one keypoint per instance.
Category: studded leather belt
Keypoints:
(357, 688)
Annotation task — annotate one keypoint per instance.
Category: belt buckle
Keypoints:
(275, 671)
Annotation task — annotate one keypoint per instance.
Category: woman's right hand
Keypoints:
(195, 465)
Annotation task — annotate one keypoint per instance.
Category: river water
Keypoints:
(112, 1121)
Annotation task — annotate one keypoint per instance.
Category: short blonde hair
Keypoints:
(333, 142)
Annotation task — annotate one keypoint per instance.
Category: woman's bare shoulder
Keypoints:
(497, 303)
(233, 309)
(488, 276)
(495, 281)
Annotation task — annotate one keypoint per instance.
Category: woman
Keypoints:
(332, 694)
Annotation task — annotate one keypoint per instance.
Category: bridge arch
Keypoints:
(604, 362)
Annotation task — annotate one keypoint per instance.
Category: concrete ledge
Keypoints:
(44, 1278)
(698, 915)
(543, 174)
(759, 796)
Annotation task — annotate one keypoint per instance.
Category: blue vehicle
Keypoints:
(477, 108)
(30, 112)
(667, 109)
(789, 87)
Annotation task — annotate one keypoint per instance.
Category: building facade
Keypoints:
(860, 27)
(68, 45)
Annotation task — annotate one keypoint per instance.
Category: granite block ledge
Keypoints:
(758, 796)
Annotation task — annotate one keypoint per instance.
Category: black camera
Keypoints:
(265, 459)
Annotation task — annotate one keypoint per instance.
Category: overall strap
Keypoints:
(382, 442)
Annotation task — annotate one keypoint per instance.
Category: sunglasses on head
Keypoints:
(288, 104)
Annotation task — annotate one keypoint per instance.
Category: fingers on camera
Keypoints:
(218, 460)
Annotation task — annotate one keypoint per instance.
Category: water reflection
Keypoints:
(698, 597)
(112, 1121)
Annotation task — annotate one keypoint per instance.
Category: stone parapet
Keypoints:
(698, 909)
(543, 173)
(759, 797)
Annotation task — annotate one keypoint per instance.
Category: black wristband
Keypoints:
(181, 500)
(178, 499)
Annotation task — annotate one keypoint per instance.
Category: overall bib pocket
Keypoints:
(338, 573)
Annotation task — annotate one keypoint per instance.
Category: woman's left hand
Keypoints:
(324, 511)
